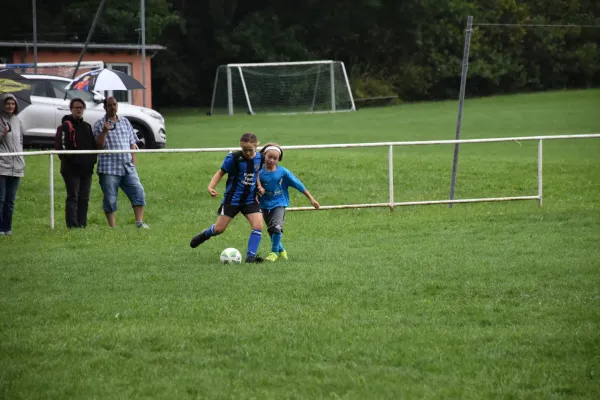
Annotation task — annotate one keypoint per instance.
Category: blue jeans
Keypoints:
(8, 193)
(130, 184)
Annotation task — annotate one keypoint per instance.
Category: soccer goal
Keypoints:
(282, 87)
(64, 69)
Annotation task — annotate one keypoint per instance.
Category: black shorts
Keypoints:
(231, 211)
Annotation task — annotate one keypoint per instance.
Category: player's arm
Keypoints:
(259, 186)
(295, 183)
(312, 200)
(214, 182)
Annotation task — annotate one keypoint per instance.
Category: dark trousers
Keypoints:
(8, 193)
(78, 199)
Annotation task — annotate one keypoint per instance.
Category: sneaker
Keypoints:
(271, 257)
(142, 225)
(2, 233)
(8, 233)
(283, 254)
(254, 259)
(198, 240)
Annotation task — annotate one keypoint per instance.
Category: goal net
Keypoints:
(64, 69)
(287, 87)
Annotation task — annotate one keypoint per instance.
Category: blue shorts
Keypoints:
(130, 184)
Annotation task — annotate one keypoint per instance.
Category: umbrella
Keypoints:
(104, 79)
(16, 84)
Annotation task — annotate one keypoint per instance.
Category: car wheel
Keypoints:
(145, 138)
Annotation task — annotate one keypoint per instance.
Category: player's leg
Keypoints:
(275, 229)
(282, 253)
(226, 214)
(254, 216)
(267, 217)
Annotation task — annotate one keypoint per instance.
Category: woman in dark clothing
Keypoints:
(77, 169)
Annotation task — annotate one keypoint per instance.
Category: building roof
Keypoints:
(76, 45)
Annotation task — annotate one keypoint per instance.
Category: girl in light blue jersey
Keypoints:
(275, 181)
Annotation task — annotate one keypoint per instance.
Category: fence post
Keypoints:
(539, 172)
(391, 175)
(51, 191)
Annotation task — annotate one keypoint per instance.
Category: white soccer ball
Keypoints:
(231, 256)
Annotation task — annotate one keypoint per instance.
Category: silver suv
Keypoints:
(48, 106)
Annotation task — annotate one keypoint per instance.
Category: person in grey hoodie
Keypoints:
(11, 167)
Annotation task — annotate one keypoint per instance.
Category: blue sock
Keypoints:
(209, 232)
(253, 242)
(275, 242)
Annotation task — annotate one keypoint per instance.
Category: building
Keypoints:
(121, 57)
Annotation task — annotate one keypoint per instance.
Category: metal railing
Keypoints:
(390, 203)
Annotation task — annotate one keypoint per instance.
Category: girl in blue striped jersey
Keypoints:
(242, 168)
(276, 180)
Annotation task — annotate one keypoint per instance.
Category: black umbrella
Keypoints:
(16, 84)
(104, 79)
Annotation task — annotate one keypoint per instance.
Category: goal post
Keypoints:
(282, 87)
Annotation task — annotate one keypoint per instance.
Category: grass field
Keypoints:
(498, 300)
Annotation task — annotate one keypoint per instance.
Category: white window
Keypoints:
(121, 96)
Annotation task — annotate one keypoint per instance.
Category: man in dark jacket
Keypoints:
(76, 169)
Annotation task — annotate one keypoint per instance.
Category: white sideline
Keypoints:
(391, 203)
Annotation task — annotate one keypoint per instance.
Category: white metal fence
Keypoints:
(390, 203)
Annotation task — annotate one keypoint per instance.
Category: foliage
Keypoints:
(415, 46)
(368, 86)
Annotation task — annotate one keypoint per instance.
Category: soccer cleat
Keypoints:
(254, 259)
(140, 226)
(283, 254)
(198, 240)
(271, 257)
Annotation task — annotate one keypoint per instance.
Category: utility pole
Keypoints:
(461, 100)
(143, 23)
(35, 44)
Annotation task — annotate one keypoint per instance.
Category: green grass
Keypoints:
(498, 300)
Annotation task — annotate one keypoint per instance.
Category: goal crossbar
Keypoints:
(276, 64)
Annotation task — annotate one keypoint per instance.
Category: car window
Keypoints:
(58, 88)
(38, 88)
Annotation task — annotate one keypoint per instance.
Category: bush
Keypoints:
(368, 86)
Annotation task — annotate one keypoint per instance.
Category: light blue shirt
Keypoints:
(276, 184)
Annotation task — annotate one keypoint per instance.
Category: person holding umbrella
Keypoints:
(11, 167)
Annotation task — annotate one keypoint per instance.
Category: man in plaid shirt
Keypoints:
(118, 170)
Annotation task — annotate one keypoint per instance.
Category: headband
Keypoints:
(277, 149)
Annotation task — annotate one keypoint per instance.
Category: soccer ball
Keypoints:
(231, 256)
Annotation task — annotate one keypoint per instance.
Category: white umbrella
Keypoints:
(104, 79)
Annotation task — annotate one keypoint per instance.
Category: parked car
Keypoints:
(48, 106)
